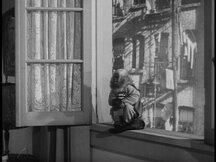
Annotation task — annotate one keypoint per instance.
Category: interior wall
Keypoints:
(7, 4)
(20, 140)
(51, 144)
(99, 155)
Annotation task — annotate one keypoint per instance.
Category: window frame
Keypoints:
(209, 49)
(24, 118)
(103, 63)
(99, 50)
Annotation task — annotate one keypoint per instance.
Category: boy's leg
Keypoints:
(129, 114)
(116, 117)
(135, 125)
(138, 124)
(132, 121)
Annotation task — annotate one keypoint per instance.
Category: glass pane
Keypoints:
(54, 87)
(54, 35)
(54, 3)
(172, 94)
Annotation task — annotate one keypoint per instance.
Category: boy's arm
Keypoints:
(133, 95)
(111, 97)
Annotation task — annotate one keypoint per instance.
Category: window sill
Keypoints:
(173, 139)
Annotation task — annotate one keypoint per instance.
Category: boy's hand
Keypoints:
(121, 96)
(118, 103)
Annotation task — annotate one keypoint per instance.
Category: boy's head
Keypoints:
(119, 78)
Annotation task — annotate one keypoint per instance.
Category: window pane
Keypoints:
(54, 35)
(54, 87)
(54, 3)
(142, 44)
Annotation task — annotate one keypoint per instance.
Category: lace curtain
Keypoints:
(54, 35)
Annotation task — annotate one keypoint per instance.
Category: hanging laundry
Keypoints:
(183, 37)
(181, 33)
(183, 67)
(193, 52)
(169, 79)
(190, 48)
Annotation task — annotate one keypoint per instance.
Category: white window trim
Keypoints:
(103, 57)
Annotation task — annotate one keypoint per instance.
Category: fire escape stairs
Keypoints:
(164, 96)
(126, 19)
(148, 18)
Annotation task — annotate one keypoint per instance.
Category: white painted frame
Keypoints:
(24, 118)
(103, 58)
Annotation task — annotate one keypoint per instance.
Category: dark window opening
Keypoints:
(162, 4)
(185, 2)
(138, 2)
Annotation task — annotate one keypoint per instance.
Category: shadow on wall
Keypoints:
(7, 4)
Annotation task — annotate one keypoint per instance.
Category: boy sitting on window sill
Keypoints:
(124, 98)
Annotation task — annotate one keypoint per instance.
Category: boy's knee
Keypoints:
(129, 113)
(128, 108)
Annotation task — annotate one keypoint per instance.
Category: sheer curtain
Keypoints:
(52, 36)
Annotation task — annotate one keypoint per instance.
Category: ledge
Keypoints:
(173, 139)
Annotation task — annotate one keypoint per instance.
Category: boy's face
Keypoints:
(116, 79)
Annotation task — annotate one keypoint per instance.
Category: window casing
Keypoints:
(210, 75)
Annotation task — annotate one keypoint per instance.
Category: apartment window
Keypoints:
(157, 75)
(138, 2)
(53, 60)
(162, 4)
(185, 2)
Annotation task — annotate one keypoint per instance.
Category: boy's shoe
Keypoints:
(135, 125)
(138, 124)
(118, 129)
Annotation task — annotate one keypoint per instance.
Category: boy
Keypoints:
(124, 98)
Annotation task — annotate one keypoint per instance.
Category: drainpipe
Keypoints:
(175, 54)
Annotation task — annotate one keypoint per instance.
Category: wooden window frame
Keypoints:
(24, 118)
(209, 50)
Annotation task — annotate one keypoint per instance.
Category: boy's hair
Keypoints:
(123, 78)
